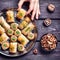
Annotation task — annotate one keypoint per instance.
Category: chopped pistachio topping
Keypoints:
(9, 31)
(5, 45)
(17, 32)
(1, 39)
(21, 14)
(20, 47)
(14, 26)
(27, 29)
(13, 38)
(30, 35)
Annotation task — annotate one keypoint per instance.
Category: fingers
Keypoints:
(31, 6)
(34, 6)
(30, 9)
(33, 14)
(37, 12)
(39, 9)
(34, 11)
(20, 4)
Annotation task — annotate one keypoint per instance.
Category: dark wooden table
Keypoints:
(54, 28)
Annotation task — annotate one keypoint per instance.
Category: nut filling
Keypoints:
(48, 42)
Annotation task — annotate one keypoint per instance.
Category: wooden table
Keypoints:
(54, 28)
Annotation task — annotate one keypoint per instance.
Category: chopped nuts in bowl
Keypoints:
(48, 42)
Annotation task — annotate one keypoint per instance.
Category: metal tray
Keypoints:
(29, 45)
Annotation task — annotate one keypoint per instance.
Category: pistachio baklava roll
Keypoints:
(23, 40)
(28, 29)
(10, 16)
(2, 30)
(4, 23)
(21, 13)
(5, 45)
(13, 47)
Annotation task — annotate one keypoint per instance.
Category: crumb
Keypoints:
(35, 51)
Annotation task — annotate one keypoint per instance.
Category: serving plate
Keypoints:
(29, 45)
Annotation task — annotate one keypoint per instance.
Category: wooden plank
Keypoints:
(30, 56)
(33, 57)
(45, 13)
(54, 28)
(56, 52)
(8, 4)
(43, 7)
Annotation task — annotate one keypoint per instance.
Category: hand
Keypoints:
(34, 7)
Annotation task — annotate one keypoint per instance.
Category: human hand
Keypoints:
(33, 7)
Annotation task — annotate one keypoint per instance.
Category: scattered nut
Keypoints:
(51, 7)
(47, 22)
(35, 51)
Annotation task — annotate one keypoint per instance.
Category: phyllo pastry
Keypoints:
(21, 48)
(23, 24)
(10, 32)
(21, 13)
(5, 45)
(28, 29)
(23, 40)
(13, 38)
(10, 16)
(3, 38)
(2, 30)
(13, 47)
(17, 32)
(30, 36)
(14, 26)
(27, 19)
(4, 23)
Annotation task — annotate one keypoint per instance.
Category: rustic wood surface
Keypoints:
(54, 28)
